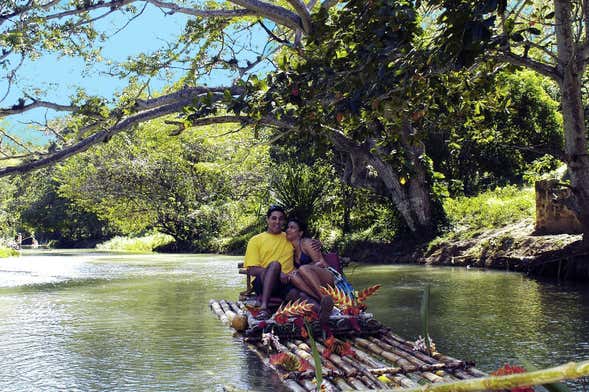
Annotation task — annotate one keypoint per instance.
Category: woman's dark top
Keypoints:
(305, 259)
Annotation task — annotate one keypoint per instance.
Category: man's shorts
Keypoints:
(280, 290)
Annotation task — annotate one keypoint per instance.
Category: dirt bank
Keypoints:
(513, 248)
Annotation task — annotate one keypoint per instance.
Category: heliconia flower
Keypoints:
(340, 348)
(298, 308)
(299, 322)
(508, 369)
(289, 362)
(280, 318)
(355, 324)
(362, 295)
(304, 333)
(253, 310)
(340, 299)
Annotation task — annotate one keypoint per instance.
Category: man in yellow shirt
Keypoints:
(269, 258)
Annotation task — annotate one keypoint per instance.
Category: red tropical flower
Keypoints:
(289, 362)
(509, 369)
(281, 318)
(340, 348)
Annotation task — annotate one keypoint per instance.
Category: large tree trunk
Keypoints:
(571, 70)
(367, 167)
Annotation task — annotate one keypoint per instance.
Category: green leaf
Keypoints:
(316, 357)
(425, 316)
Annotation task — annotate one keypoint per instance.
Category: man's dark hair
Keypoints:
(275, 208)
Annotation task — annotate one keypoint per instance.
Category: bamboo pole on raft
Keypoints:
(567, 371)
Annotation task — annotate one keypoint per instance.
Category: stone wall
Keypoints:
(553, 217)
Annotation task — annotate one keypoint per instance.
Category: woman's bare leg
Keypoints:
(315, 277)
(298, 282)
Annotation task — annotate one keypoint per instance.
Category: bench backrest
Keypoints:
(334, 261)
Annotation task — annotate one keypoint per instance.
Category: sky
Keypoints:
(62, 76)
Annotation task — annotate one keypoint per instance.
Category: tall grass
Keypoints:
(140, 244)
(8, 252)
(491, 209)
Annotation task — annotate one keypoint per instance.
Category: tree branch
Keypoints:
(541, 68)
(302, 10)
(277, 14)
(222, 13)
(184, 94)
(21, 108)
(97, 137)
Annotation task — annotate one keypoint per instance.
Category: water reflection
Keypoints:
(119, 322)
(486, 316)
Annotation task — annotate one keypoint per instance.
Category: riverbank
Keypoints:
(513, 247)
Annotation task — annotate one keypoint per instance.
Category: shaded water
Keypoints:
(97, 321)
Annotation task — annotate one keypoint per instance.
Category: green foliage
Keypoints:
(183, 186)
(137, 244)
(504, 124)
(542, 168)
(8, 208)
(491, 209)
(8, 252)
(300, 189)
(425, 312)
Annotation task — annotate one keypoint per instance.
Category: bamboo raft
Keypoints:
(378, 359)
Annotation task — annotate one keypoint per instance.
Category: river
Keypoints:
(95, 321)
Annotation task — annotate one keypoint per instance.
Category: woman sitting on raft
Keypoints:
(310, 267)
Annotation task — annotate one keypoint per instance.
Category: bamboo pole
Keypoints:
(433, 378)
(234, 307)
(403, 354)
(342, 384)
(295, 387)
(218, 311)
(409, 349)
(404, 381)
(372, 362)
(330, 370)
(566, 371)
(359, 362)
(349, 371)
(462, 374)
(365, 374)
(476, 372)
(393, 358)
(230, 314)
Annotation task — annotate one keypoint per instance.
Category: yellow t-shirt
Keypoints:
(265, 247)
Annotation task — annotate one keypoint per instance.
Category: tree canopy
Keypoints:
(369, 79)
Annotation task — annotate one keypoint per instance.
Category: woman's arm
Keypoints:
(313, 252)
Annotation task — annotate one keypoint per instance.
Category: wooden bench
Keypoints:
(248, 294)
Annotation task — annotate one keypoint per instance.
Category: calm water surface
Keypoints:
(89, 321)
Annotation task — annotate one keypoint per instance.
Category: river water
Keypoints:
(91, 321)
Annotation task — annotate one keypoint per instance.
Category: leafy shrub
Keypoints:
(140, 244)
(491, 209)
(8, 252)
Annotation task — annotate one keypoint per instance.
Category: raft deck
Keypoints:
(380, 359)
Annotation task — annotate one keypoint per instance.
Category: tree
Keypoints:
(502, 122)
(392, 162)
(182, 186)
(549, 37)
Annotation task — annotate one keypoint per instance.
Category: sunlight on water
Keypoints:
(88, 321)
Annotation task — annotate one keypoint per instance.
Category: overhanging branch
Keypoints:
(277, 14)
(541, 68)
(21, 107)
